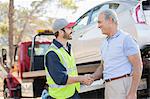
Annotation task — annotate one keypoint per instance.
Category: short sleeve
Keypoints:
(130, 46)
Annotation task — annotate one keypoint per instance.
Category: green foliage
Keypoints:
(3, 19)
(3, 11)
(27, 20)
(24, 21)
(70, 4)
(3, 28)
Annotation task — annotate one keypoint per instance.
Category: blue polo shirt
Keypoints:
(115, 51)
(55, 67)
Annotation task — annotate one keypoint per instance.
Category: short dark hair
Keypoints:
(56, 34)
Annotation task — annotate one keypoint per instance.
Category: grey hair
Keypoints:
(110, 13)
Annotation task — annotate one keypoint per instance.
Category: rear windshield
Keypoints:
(40, 49)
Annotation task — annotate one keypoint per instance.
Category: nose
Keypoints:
(72, 30)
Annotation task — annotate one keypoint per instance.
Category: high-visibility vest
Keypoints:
(68, 61)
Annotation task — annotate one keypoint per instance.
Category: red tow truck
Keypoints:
(27, 78)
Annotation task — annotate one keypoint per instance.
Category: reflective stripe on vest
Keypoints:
(55, 85)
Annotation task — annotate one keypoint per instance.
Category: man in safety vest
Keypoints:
(60, 67)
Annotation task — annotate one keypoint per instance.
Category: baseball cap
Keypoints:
(60, 24)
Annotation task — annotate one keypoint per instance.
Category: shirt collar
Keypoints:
(115, 35)
(59, 45)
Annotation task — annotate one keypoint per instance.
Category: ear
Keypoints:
(61, 32)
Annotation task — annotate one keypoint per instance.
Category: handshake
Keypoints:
(87, 79)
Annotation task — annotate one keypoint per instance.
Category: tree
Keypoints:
(70, 4)
(3, 28)
(10, 33)
(39, 9)
(36, 8)
(20, 20)
(3, 19)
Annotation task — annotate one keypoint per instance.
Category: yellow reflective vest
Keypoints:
(68, 61)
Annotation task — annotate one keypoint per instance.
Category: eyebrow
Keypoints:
(98, 21)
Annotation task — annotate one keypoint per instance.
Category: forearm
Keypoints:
(81, 79)
(74, 79)
(136, 62)
(98, 73)
(137, 72)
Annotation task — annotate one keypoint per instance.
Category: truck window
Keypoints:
(40, 49)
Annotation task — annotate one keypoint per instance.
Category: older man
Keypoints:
(121, 62)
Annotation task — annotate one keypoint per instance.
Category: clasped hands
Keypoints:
(87, 79)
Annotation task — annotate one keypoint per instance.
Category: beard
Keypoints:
(67, 36)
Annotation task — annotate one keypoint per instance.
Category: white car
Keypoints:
(87, 37)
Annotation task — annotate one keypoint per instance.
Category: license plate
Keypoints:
(27, 89)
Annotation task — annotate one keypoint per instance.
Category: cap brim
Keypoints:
(71, 24)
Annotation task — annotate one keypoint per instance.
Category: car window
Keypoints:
(97, 9)
(96, 12)
(146, 5)
(82, 21)
(113, 6)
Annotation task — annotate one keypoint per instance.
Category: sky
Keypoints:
(62, 13)
(23, 3)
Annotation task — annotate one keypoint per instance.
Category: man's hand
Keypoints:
(131, 96)
(87, 80)
(136, 62)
